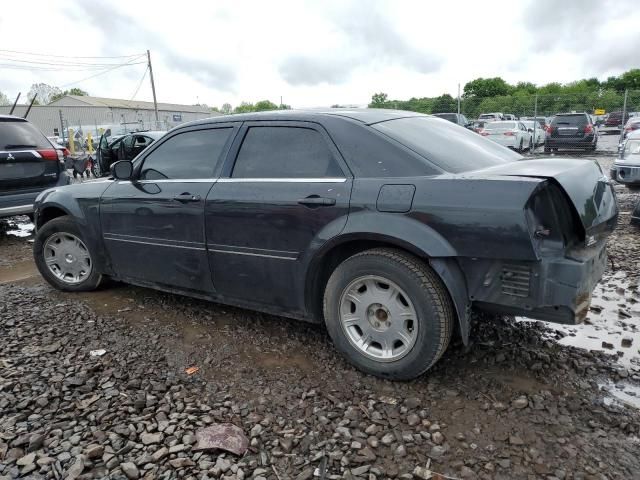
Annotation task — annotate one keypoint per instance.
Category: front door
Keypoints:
(286, 193)
(153, 226)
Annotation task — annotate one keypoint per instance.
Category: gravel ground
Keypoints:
(520, 402)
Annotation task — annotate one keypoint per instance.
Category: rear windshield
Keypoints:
(451, 148)
(16, 134)
(447, 116)
(572, 120)
(632, 147)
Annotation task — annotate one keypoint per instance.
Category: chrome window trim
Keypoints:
(239, 180)
(284, 180)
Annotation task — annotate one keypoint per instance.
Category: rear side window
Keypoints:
(451, 148)
(20, 135)
(447, 116)
(186, 155)
(570, 120)
(285, 152)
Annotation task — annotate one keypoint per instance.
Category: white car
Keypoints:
(626, 168)
(536, 130)
(512, 134)
(491, 117)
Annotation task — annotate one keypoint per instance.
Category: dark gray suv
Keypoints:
(29, 164)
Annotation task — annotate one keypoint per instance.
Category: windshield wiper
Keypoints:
(19, 145)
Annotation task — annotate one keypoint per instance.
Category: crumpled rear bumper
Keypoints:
(555, 289)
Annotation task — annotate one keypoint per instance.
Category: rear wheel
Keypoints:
(388, 313)
(62, 256)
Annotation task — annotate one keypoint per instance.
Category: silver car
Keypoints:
(626, 168)
(512, 134)
(536, 130)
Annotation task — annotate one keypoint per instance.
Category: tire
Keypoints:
(419, 287)
(65, 229)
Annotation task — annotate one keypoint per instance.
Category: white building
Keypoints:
(90, 114)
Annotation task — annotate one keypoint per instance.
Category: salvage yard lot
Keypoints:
(519, 403)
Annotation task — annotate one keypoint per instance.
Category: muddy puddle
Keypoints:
(613, 323)
(18, 271)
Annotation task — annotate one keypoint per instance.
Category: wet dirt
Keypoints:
(18, 271)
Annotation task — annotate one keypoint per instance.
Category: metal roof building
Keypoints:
(90, 114)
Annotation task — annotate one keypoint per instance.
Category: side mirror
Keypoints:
(122, 170)
(531, 130)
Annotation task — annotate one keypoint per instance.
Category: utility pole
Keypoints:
(153, 88)
(624, 113)
(458, 99)
(61, 125)
(535, 123)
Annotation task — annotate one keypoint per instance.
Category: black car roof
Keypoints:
(12, 118)
(367, 116)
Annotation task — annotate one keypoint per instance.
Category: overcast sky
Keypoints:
(315, 53)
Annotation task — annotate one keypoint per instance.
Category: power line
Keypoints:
(140, 84)
(64, 64)
(67, 56)
(101, 73)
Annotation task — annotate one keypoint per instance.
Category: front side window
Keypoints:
(186, 155)
(285, 152)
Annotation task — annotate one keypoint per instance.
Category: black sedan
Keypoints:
(388, 226)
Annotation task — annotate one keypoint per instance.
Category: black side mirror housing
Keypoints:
(122, 170)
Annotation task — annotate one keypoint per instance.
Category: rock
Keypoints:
(520, 402)
(626, 342)
(413, 420)
(76, 468)
(607, 345)
(466, 472)
(437, 438)
(305, 474)
(423, 473)
(223, 464)
(256, 430)
(151, 438)
(437, 452)
(94, 451)
(26, 460)
(181, 462)
(35, 442)
(130, 470)
(222, 436)
(159, 454)
(515, 440)
(388, 439)
(286, 444)
(359, 471)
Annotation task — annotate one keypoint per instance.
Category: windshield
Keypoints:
(500, 126)
(451, 148)
(632, 147)
(573, 120)
(17, 134)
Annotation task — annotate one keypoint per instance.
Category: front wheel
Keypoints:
(62, 256)
(388, 313)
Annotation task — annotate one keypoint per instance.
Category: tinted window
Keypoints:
(22, 135)
(572, 120)
(285, 152)
(186, 155)
(451, 148)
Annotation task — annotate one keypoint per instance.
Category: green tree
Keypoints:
(378, 100)
(74, 91)
(244, 107)
(525, 88)
(444, 104)
(4, 100)
(487, 87)
(226, 108)
(264, 105)
(631, 79)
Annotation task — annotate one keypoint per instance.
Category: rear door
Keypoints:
(27, 158)
(286, 193)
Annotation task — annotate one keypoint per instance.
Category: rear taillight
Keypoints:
(483, 133)
(510, 134)
(588, 129)
(66, 152)
(48, 153)
(548, 129)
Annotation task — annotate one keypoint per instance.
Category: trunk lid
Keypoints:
(584, 183)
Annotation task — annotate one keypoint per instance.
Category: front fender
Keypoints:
(82, 203)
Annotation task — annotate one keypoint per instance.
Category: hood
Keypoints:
(582, 180)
